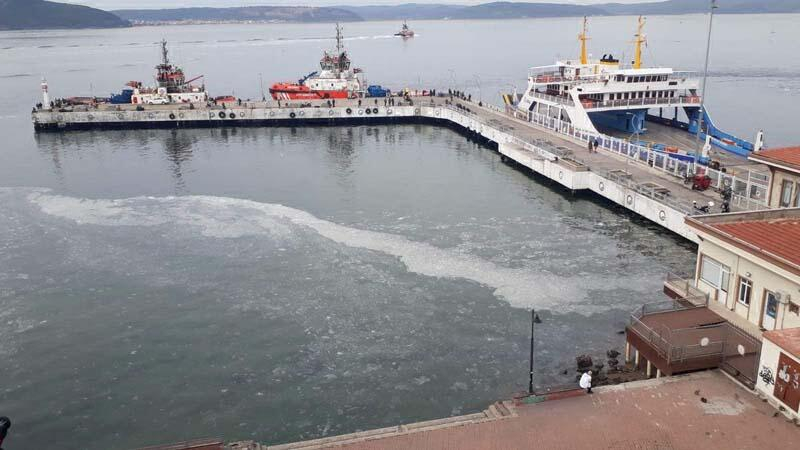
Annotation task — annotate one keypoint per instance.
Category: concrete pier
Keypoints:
(640, 182)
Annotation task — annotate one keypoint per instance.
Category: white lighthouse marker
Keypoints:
(45, 95)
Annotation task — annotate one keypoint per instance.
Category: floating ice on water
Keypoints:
(222, 217)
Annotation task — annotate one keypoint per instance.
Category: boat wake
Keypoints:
(231, 218)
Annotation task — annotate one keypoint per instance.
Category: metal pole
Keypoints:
(705, 70)
(530, 379)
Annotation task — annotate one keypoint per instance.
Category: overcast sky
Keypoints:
(141, 4)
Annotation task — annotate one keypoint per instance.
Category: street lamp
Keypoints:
(534, 320)
(705, 70)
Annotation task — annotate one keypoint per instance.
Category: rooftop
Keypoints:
(788, 340)
(786, 158)
(773, 235)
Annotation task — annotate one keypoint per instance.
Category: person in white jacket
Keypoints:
(586, 382)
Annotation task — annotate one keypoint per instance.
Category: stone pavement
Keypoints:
(699, 411)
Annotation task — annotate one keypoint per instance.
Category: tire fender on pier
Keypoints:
(349, 111)
(222, 114)
(172, 116)
(374, 110)
(292, 115)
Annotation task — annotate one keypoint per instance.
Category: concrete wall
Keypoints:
(764, 275)
(768, 371)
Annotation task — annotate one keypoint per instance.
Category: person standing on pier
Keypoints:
(586, 382)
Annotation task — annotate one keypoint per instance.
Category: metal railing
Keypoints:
(748, 188)
(690, 291)
(680, 100)
(553, 98)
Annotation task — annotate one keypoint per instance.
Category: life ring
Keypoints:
(330, 113)
(602, 186)
(272, 113)
(374, 110)
(222, 114)
(172, 116)
(60, 118)
(232, 115)
(349, 111)
(389, 111)
(301, 113)
(360, 112)
(90, 117)
(181, 115)
(151, 116)
(292, 115)
(662, 215)
(241, 114)
(416, 110)
(120, 116)
(211, 115)
(369, 111)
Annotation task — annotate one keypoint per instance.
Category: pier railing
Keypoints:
(748, 188)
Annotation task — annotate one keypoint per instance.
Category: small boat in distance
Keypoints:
(405, 32)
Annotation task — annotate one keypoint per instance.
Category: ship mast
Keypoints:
(640, 39)
(164, 57)
(339, 45)
(582, 37)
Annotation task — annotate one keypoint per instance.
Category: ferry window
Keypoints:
(629, 79)
(745, 290)
(786, 193)
(626, 96)
(714, 273)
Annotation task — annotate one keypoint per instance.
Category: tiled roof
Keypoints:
(776, 237)
(788, 157)
(788, 340)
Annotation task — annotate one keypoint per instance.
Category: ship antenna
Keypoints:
(583, 38)
(640, 39)
(164, 57)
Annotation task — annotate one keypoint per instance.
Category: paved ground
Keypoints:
(669, 413)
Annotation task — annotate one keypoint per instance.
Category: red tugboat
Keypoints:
(334, 80)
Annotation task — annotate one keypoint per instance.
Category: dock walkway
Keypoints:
(645, 182)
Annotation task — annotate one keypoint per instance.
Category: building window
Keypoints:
(794, 308)
(745, 289)
(786, 193)
(714, 273)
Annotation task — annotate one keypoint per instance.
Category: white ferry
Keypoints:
(607, 96)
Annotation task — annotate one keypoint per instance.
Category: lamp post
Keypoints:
(705, 70)
(534, 320)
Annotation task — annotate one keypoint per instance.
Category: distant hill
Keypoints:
(513, 10)
(240, 14)
(39, 14)
(699, 6)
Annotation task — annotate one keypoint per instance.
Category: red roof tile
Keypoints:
(788, 156)
(776, 237)
(788, 340)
